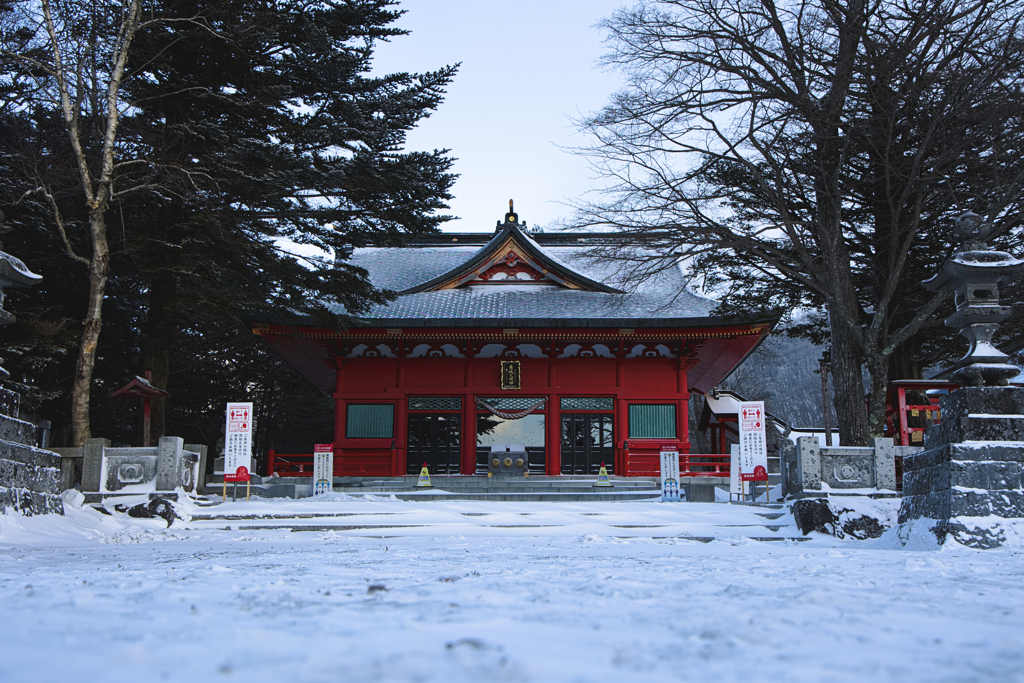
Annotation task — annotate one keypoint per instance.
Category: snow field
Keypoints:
(467, 598)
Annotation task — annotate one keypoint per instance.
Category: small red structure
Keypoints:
(143, 388)
(910, 410)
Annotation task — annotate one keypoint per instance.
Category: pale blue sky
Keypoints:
(528, 66)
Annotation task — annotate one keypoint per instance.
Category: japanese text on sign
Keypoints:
(753, 452)
(238, 442)
(669, 473)
(323, 468)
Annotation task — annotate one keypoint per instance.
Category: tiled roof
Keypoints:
(647, 300)
(545, 304)
(400, 268)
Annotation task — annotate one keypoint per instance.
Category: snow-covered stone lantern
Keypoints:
(13, 273)
(973, 274)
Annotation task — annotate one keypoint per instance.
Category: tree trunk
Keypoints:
(99, 269)
(878, 368)
(848, 382)
(157, 347)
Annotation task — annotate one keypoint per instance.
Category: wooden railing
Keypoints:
(289, 464)
(644, 460)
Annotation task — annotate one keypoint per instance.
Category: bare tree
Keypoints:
(810, 152)
(74, 53)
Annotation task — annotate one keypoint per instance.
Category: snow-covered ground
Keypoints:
(380, 590)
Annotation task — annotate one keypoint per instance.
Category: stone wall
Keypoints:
(29, 476)
(107, 471)
(970, 469)
(807, 466)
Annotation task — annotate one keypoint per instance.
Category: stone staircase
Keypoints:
(566, 488)
(383, 518)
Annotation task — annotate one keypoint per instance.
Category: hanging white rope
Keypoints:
(510, 414)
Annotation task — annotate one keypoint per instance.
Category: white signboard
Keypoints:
(669, 474)
(753, 450)
(238, 442)
(737, 487)
(323, 468)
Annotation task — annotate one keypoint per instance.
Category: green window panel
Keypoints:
(511, 402)
(652, 421)
(435, 403)
(370, 421)
(571, 403)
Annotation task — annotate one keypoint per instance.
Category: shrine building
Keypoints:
(516, 337)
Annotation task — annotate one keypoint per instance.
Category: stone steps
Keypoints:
(17, 431)
(697, 522)
(568, 488)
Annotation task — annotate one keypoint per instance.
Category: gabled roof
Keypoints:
(511, 239)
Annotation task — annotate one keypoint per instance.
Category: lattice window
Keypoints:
(435, 403)
(652, 422)
(511, 402)
(588, 403)
(370, 421)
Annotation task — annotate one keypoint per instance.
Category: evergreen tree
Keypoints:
(249, 126)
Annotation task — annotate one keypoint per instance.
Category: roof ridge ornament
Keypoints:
(510, 217)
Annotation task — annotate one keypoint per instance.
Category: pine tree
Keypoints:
(248, 126)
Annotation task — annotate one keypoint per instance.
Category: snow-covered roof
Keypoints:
(596, 289)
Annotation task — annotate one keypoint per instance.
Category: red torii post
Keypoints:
(144, 389)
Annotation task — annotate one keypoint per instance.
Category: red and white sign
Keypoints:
(753, 450)
(238, 442)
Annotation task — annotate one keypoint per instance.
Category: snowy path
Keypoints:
(109, 599)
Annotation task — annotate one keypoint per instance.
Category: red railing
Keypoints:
(704, 465)
(644, 460)
(289, 464)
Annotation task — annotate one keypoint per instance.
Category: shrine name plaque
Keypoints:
(510, 374)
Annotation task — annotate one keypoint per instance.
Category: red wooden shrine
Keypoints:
(910, 410)
(516, 339)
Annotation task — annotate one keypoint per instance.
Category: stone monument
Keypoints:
(29, 475)
(967, 481)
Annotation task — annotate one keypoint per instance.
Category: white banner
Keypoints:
(669, 474)
(753, 450)
(238, 442)
(323, 468)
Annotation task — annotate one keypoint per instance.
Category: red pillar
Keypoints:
(468, 424)
(683, 411)
(553, 424)
(146, 413)
(621, 421)
(398, 460)
(339, 411)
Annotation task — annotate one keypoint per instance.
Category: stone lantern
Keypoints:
(973, 274)
(13, 273)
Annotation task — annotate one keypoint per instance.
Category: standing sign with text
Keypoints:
(752, 447)
(737, 487)
(238, 442)
(323, 468)
(670, 473)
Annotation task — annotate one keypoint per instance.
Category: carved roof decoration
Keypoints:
(511, 247)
